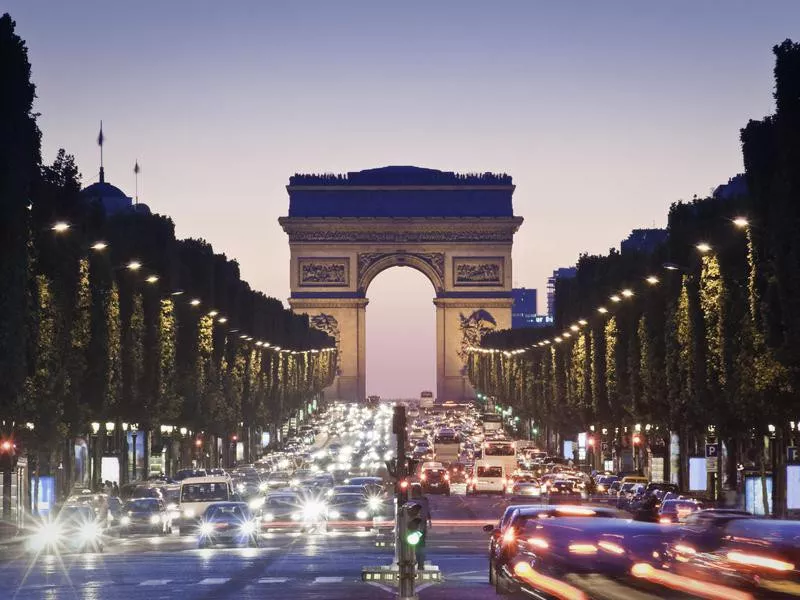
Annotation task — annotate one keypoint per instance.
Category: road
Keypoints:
(304, 566)
(287, 565)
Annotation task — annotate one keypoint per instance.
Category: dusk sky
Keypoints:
(604, 113)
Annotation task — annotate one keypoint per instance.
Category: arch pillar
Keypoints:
(459, 324)
(345, 321)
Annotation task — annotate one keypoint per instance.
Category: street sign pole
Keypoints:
(402, 551)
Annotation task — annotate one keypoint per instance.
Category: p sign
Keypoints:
(712, 450)
(792, 455)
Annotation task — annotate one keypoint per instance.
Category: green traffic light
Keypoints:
(414, 537)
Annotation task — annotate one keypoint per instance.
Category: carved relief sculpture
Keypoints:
(478, 271)
(327, 324)
(473, 328)
(323, 272)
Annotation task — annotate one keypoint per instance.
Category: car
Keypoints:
(197, 494)
(76, 528)
(348, 510)
(558, 547)
(526, 488)
(149, 515)
(435, 481)
(514, 518)
(675, 511)
(228, 523)
(488, 479)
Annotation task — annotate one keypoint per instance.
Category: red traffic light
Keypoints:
(404, 484)
(590, 441)
(198, 443)
(637, 439)
(6, 446)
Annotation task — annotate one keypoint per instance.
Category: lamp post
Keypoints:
(134, 429)
(93, 470)
(110, 447)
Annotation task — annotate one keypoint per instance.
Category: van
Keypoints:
(634, 479)
(489, 478)
(197, 494)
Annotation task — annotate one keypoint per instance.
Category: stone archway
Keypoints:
(456, 229)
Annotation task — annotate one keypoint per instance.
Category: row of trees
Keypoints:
(709, 346)
(139, 328)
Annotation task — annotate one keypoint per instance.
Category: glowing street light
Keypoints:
(60, 227)
(566, 334)
(212, 313)
(652, 280)
(616, 298)
(627, 293)
(671, 267)
(741, 222)
(574, 327)
(99, 246)
(134, 265)
(177, 293)
(583, 322)
(602, 310)
(152, 279)
(703, 247)
(195, 301)
(222, 320)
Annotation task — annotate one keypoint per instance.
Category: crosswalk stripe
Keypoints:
(329, 580)
(213, 581)
(273, 580)
(155, 582)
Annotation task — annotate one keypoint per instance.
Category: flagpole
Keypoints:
(136, 173)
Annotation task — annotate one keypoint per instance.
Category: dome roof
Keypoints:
(102, 189)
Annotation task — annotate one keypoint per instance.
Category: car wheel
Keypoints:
(499, 588)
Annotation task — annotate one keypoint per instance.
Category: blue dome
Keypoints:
(102, 189)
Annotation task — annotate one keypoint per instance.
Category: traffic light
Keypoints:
(8, 455)
(414, 523)
(402, 492)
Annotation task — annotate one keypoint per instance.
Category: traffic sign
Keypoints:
(792, 454)
(712, 458)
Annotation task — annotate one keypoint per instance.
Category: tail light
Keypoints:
(423, 477)
(447, 476)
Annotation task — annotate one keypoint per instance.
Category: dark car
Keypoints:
(186, 473)
(514, 518)
(348, 510)
(674, 511)
(557, 548)
(76, 528)
(228, 523)
(281, 510)
(435, 481)
(147, 515)
(747, 553)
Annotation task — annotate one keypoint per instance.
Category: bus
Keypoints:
(491, 422)
(426, 399)
(500, 453)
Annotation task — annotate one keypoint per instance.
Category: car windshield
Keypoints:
(347, 499)
(227, 512)
(141, 504)
(204, 492)
(499, 450)
(76, 513)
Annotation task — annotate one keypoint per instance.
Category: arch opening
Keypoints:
(400, 334)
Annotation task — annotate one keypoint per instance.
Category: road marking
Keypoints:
(472, 578)
(155, 582)
(329, 580)
(213, 581)
(273, 580)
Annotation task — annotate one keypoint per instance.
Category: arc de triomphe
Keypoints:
(456, 229)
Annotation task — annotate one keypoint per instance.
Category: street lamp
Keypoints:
(152, 279)
(652, 280)
(60, 226)
(99, 246)
(602, 310)
(134, 265)
(741, 222)
(703, 247)
(95, 427)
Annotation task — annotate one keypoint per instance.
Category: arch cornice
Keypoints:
(430, 264)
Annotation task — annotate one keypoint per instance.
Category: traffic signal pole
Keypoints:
(404, 554)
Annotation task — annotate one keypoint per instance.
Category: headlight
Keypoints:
(256, 503)
(313, 510)
(268, 517)
(240, 487)
(206, 528)
(248, 528)
(126, 520)
(155, 519)
(334, 514)
(294, 482)
(189, 513)
(362, 514)
(48, 534)
(89, 531)
(374, 503)
(263, 486)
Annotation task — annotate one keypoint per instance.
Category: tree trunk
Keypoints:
(69, 466)
(762, 466)
(36, 486)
